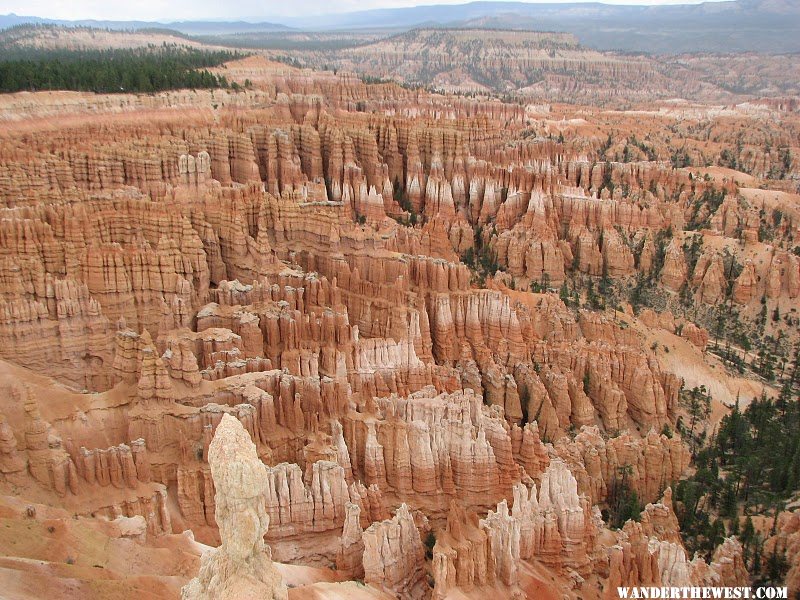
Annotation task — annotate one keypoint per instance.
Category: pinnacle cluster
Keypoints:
(344, 333)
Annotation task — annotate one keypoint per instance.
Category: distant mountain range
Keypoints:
(733, 11)
(771, 26)
(184, 27)
(736, 26)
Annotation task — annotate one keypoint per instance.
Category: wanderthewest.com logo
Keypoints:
(680, 593)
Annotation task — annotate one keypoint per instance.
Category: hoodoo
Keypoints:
(362, 314)
(241, 567)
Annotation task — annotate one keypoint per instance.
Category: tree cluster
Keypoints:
(623, 501)
(151, 69)
(751, 466)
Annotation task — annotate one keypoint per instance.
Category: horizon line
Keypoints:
(254, 20)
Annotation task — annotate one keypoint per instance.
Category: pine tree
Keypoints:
(748, 533)
(735, 527)
(729, 507)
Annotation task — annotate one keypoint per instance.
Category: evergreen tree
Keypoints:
(150, 69)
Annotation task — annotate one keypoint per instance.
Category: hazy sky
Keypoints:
(186, 10)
